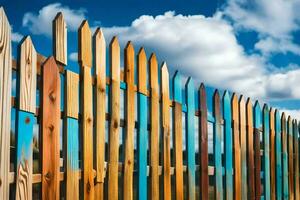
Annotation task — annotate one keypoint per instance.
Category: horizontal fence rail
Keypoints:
(137, 133)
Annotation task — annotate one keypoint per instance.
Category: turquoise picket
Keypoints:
(284, 158)
(278, 156)
(257, 160)
(72, 143)
(266, 142)
(228, 145)
(217, 144)
(190, 137)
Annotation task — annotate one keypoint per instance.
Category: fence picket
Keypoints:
(113, 162)
(257, 160)
(296, 159)
(266, 160)
(284, 157)
(242, 120)
(217, 147)
(60, 39)
(5, 102)
(272, 154)
(190, 137)
(290, 157)
(50, 129)
(85, 61)
(100, 98)
(154, 135)
(166, 131)
(278, 137)
(142, 128)
(25, 119)
(71, 135)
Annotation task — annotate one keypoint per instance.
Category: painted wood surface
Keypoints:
(5, 102)
(60, 39)
(166, 137)
(190, 138)
(266, 157)
(243, 140)
(203, 143)
(25, 119)
(177, 131)
(278, 147)
(257, 159)
(154, 133)
(113, 162)
(290, 157)
(272, 154)
(228, 145)
(50, 127)
(100, 98)
(142, 128)
(236, 147)
(85, 57)
(217, 147)
(284, 157)
(71, 135)
(296, 159)
(250, 150)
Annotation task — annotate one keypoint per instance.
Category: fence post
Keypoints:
(60, 39)
(272, 154)
(296, 158)
(257, 126)
(290, 158)
(242, 129)
(284, 158)
(278, 155)
(266, 148)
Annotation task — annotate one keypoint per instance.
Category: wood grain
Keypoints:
(85, 61)
(177, 124)
(243, 140)
(50, 103)
(115, 120)
(250, 150)
(60, 39)
(130, 121)
(154, 131)
(257, 160)
(166, 158)
(290, 158)
(72, 95)
(236, 147)
(272, 155)
(100, 98)
(284, 157)
(203, 143)
(5, 102)
(142, 71)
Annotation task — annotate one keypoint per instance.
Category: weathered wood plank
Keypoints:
(236, 147)
(100, 98)
(190, 138)
(25, 119)
(228, 145)
(177, 131)
(85, 61)
(290, 158)
(284, 157)
(60, 39)
(5, 102)
(272, 154)
(154, 131)
(203, 143)
(250, 150)
(71, 136)
(130, 121)
(296, 159)
(257, 160)
(50, 129)
(278, 156)
(142, 128)
(166, 158)
(266, 147)
(217, 147)
(115, 120)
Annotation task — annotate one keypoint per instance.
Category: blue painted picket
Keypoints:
(257, 160)
(228, 145)
(278, 156)
(266, 140)
(190, 137)
(72, 143)
(284, 158)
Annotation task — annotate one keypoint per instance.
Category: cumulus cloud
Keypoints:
(41, 22)
(16, 37)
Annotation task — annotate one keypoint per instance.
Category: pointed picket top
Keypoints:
(289, 125)
(177, 92)
(190, 85)
(249, 104)
(226, 102)
(242, 110)
(234, 104)
(283, 118)
(115, 58)
(216, 104)
(60, 39)
(164, 77)
(3, 17)
(129, 63)
(142, 71)
(265, 109)
(99, 52)
(28, 68)
(85, 45)
(257, 115)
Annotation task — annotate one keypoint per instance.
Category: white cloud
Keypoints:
(41, 22)
(16, 37)
(73, 56)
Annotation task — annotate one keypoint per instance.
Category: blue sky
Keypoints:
(251, 47)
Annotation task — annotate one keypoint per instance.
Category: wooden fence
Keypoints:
(72, 141)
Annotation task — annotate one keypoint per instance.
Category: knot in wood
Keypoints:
(52, 96)
(51, 127)
(129, 162)
(27, 120)
(89, 120)
(48, 176)
(28, 61)
(0, 182)
(88, 186)
(101, 90)
(116, 124)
